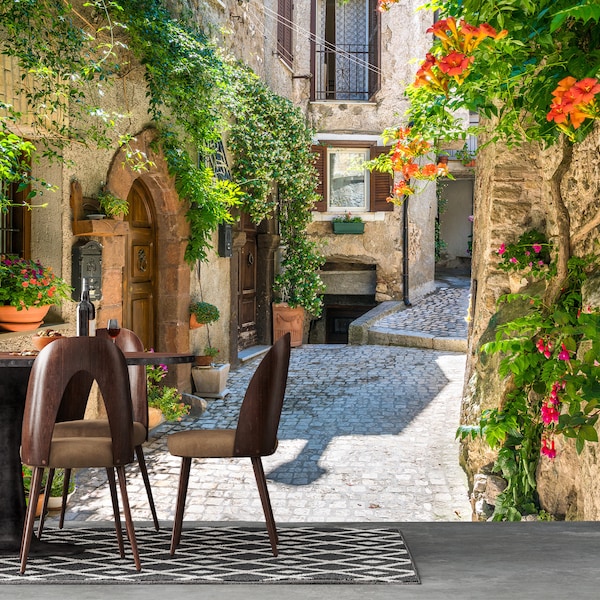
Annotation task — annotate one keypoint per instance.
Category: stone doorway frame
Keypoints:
(172, 232)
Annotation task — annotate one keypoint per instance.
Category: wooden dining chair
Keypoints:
(255, 435)
(72, 423)
(53, 371)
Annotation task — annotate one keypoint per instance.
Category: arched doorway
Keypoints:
(139, 279)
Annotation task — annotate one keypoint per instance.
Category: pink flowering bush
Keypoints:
(552, 356)
(530, 254)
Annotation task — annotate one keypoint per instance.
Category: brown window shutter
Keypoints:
(285, 10)
(381, 185)
(321, 166)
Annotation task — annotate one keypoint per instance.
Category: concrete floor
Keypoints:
(472, 561)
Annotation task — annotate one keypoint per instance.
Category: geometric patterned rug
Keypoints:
(327, 555)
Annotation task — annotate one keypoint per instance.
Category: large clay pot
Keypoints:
(287, 319)
(26, 319)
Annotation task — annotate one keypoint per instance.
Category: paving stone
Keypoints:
(367, 434)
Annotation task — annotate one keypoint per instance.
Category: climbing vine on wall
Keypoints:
(195, 95)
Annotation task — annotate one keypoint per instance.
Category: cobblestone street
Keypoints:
(367, 434)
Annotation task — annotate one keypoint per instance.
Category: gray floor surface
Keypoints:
(381, 454)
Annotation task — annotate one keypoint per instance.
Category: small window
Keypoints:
(15, 222)
(348, 180)
(343, 185)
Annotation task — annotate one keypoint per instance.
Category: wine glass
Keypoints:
(113, 329)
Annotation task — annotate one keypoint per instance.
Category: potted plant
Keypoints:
(202, 313)
(208, 356)
(348, 223)
(27, 290)
(297, 288)
(112, 205)
(211, 380)
(165, 401)
(56, 491)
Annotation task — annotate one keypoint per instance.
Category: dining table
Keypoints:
(15, 369)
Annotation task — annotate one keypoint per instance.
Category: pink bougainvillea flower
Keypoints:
(537, 248)
(502, 249)
(513, 260)
(547, 450)
(549, 414)
(564, 353)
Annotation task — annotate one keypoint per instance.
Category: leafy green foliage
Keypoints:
(512, 79)
(552, 356)
(163, 397)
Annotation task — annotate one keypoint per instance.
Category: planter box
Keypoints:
(341, 227)
(210, 382)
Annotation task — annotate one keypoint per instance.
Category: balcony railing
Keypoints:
(345, 72)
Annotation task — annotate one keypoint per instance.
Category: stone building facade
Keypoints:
(144, 274)
(512, 196)
(350, 74)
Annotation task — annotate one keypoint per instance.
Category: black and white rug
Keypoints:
(321, 555)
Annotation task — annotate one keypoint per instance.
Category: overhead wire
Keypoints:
(310, 36)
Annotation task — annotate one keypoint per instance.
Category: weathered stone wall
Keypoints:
(512, 195)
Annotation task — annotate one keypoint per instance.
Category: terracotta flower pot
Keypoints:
(26, 319)
(194, 322)
(287, 319)
(41, 341)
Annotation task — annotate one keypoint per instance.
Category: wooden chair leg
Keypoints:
(261, 482)
(110, 473)
(184, 477)
(34, 493)
(47, 489)
(144, 471)
(128, 519)
(65, 493)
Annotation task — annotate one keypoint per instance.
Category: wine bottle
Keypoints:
(85, 309)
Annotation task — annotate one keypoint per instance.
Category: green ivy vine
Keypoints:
(195, 96)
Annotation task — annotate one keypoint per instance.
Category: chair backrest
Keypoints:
(256, 433)
(128, 341)
(55, 366)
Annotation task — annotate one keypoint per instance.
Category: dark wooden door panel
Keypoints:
(140, 269)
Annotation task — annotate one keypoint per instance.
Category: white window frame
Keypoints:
(340, 150)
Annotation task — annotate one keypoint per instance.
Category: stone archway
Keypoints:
(172, 231)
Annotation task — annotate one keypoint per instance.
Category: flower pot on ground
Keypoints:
(287, 319)
(166, 399)
(211, 381)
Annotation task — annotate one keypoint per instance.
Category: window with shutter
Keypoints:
(15, 222)
(285, 15)
(343, 187)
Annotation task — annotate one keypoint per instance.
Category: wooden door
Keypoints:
(139, 302)
(247, 269)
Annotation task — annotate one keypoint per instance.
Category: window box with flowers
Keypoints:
(27, 290)
(348, 223)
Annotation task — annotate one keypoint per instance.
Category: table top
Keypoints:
(10, 359)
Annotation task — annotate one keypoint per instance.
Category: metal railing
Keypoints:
(344, 73)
